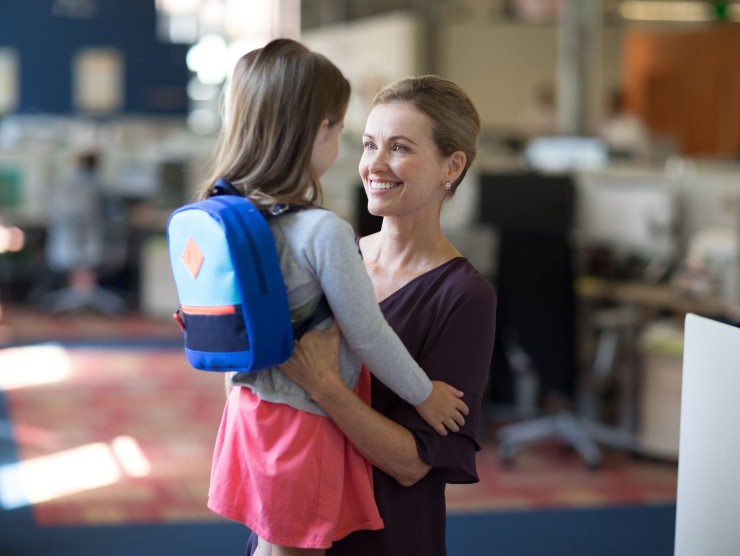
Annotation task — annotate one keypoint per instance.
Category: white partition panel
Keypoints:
(708, 501)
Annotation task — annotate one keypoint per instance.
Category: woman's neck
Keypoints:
(402, 251)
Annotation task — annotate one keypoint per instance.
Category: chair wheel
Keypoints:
(594, 465)
(506, 454)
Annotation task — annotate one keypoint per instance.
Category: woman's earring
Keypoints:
(448, 186)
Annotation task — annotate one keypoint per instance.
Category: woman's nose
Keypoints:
(377, 160)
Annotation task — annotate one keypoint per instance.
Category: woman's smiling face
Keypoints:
(401, 167)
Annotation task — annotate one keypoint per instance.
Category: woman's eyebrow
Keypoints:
(392, 139)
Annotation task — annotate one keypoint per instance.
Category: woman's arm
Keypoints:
(347, 287)
(384, 443)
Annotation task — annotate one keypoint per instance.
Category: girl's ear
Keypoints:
(323, 130)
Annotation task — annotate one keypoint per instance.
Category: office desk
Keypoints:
(649, 382)
(653, 297)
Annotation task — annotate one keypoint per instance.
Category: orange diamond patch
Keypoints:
(192, 257)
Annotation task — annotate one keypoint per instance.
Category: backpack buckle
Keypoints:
(178, 319)
(278, 208)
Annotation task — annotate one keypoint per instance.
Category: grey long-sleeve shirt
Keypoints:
(318, 256)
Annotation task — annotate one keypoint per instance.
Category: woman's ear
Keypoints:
(455, 165)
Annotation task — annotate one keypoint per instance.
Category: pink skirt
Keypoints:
(292, 477)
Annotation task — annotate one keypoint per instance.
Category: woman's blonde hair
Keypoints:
(278, 97)
(455, 120)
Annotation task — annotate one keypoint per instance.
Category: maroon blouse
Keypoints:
(446, 319)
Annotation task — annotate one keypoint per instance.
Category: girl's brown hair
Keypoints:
(278, 97)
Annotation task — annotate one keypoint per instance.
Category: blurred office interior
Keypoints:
(599, 242)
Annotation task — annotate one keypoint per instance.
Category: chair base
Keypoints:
(73, 299)
(581, 434)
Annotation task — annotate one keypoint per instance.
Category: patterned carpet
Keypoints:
(120, 430)
(549, 476)
(109, 435)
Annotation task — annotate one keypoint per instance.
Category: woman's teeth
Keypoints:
(383, 185)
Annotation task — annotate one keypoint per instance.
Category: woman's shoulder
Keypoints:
(455, 286)
(460, 275)
(460, 287)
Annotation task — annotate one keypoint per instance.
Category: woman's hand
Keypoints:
(315, 360)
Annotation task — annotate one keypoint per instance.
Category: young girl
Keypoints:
(280, 465)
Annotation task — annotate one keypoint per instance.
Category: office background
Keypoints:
(644, 231)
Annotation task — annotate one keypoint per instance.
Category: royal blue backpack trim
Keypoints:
(223, 255)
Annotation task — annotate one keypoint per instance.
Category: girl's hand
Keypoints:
(444, 408)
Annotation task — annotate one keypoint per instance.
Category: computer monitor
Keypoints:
(629, 215)
(527, 201)
(10, 189)
(565, 153)
(24, 185)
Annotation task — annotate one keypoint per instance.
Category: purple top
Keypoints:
(446, 319)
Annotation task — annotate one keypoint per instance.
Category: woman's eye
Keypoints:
(400, 148)
(367, 145)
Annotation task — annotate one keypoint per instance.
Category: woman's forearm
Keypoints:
(387, 445)
(384, 443)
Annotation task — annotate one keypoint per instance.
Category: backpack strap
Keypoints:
(322, 311)
(320, 314)
(225, 187)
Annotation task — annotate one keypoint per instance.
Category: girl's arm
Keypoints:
(384, 443)
(347, 287)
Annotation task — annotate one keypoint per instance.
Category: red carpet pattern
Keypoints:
(548, 476)
(111, 435)
(125, 436)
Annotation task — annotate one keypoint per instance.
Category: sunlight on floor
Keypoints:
(21, 367)
(48, 477)
(130, 457)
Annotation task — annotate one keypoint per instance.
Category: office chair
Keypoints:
(536, 316)
(87, 239)
(584, 431)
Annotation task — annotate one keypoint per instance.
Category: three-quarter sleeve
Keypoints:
(456, 348)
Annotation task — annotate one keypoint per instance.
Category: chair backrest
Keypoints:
(116, 231)
(88, 228)
(534, 216)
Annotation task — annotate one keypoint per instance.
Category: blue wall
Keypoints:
(155, 73)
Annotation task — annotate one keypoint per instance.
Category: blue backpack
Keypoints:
(233, 303)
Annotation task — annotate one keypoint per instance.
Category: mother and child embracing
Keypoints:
(346, 448)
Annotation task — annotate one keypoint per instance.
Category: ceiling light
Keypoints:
(666, 11)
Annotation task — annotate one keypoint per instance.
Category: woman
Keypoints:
(418, 144)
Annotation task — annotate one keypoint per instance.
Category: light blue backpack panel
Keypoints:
(233, 302)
